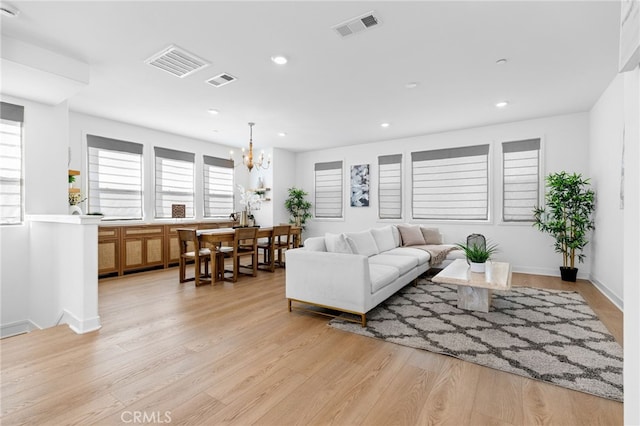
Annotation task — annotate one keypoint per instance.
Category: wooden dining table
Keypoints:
(215, 237)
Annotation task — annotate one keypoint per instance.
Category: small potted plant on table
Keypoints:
(477, 255)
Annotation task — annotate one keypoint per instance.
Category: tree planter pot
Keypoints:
(568, 274)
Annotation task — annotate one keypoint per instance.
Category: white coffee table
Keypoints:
(474, 289)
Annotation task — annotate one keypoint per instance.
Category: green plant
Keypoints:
(72, 178)
(478, 254)
(298, 206)
(567, 217)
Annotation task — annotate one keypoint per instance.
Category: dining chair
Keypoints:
(190, 250)
(279, 241)
(245, 243)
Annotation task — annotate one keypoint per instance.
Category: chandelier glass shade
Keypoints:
(259, 162)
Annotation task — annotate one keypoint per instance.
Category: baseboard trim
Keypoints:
(80, 326)
(16, 328)
(547, 271)
(608, 293)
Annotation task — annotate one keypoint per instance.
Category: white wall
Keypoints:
(45, 176)
(606, 120)
(284, 178)
(565, 147)
(81, 124)
(631, 244)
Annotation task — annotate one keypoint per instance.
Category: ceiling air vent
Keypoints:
(177, 61)
(355, 25)
(221, 80)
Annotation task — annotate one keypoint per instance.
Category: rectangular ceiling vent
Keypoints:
(221, 79)
(363, 22)
(177, 61)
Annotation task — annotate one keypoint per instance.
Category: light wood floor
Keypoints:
(232, 353)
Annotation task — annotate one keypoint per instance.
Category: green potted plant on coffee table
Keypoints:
(478, 255)
(567, 217)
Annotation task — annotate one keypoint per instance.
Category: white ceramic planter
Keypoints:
(478, 267)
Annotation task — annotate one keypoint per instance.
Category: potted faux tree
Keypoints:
(477, 255)
(567, 217)
(298, 207)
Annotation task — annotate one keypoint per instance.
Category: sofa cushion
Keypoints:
(431, 236)
(411, 235)
(422, 256)
(396, 235)
(381, 276)
(362, 243)
(315, 244)
(384, 238)
(404, 264)
(337, 243)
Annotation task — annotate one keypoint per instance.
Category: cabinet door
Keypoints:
(108, 257)
(153, 251)
(133, 253)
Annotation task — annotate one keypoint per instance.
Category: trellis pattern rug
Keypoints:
(548, 335)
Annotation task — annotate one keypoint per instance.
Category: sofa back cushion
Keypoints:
(411, 235)
(337, 243)
(384, 238)
(362, 243)
(432, 236)
(315, 244)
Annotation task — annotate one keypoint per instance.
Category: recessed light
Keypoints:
(280, 60)
(385, 125)
(501, 61)
(214, 131)
(213, 111)
(411, 85)
(282, 134)
(502, 104)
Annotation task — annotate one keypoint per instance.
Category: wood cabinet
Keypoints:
(142, 247)
(130, 248)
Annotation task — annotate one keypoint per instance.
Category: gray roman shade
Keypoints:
(218, 187)
(11, 182)
(451, 183)
(114, 177)
(328, 189)
(390, 186)
(520, 179)
(174, 181)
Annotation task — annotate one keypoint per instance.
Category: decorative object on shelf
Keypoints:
(360, 185)
(298, 207)
(260, 182)
(477, 253)
(75, 198)
(570, 204)
(249, 201)
(248, 160)
(178, 210)
(72, 179)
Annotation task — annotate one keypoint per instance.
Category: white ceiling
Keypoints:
(334, 91)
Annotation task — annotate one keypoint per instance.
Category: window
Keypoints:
(174, 181)
(390, 186)
(11, 119)
(451, 184)
(115, 178)
(520, 179)
(328, 202)
(218, 187)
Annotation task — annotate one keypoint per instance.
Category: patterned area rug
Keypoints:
(548, 335)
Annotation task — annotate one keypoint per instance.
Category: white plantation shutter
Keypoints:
(390, 186)
(218, 187)
(520, 179)
(174, 181)
(451, 184)
(328, 189)
(11, 120)
(114, 177)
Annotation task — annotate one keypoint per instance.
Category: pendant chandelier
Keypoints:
(247, 158)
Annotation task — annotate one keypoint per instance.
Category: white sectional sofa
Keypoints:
(355, 271)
